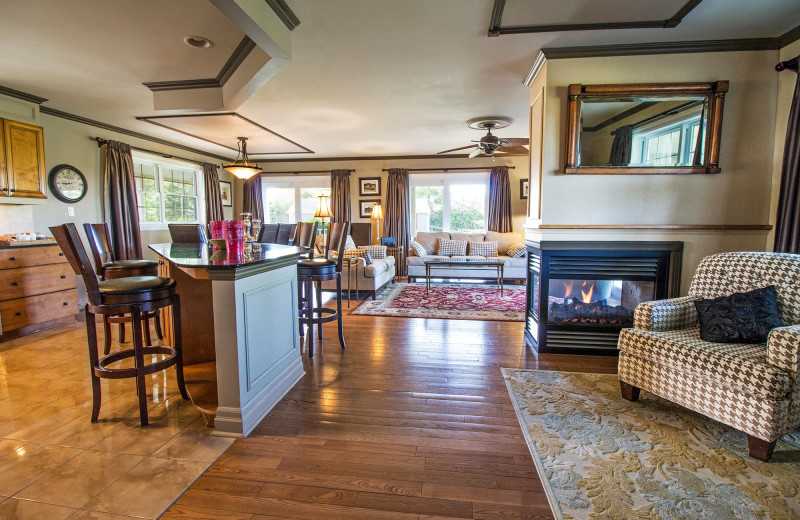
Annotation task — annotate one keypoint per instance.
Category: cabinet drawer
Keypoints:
(37, 309)
(40, 279)
(31, 255)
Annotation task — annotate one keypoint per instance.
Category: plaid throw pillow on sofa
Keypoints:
(418, 248)
(452, 247)
(485, 249)
(377, 252)
(517, 250)
(355, 253)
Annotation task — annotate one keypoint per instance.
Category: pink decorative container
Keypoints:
(216, 228)
(234, 235)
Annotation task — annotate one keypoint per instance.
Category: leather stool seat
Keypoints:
(135, 284)
(316, 267)
(130, 264)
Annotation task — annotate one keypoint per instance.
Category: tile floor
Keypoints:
(55, 464)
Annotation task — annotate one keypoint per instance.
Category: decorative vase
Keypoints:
(234, 235)
(216, 228)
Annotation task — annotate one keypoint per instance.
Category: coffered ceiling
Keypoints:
(365, 78)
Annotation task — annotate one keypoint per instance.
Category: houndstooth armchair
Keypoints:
(751, 387)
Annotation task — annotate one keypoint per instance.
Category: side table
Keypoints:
(399, 260)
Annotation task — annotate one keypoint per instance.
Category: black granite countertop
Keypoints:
(205, 256)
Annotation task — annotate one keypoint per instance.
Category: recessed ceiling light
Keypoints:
(198, 41)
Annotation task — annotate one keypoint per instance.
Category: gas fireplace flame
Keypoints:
(586, 296)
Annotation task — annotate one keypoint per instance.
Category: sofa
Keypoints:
(368, 278)
(514, 269)
(752, 387)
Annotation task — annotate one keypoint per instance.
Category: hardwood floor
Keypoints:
(412, 421)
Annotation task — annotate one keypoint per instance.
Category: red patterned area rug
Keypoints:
(448, 301)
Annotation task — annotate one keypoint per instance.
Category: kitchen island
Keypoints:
(241, 345)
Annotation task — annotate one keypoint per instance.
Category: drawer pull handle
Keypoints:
(15, 283)
(17, 314)
(13, 258)
(63, 276)
(66, 303)
(60, 254)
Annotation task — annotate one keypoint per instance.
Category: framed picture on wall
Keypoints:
(227, 195)
(523, 188)
(365, 207)
(369, 186)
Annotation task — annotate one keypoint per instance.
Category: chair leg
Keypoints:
(300, 306)
(629, 392)
(339, 310)
(177, 336)
(138, 357)
(122, 333)
(91, 334)
(146, 326)
(107, 333)
(159, 330)
(759, 448)
(319, 306)
(310, 315)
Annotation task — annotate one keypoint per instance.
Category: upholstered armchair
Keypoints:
(751, 387)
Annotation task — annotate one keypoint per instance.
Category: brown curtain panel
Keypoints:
(397, 213)
(787, 226)
(499, 200)
(252, 197)
(119, 198)
(340, 195)
(621, 147)
(213, 195)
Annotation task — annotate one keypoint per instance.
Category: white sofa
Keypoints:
(513, 269)
(370, 278)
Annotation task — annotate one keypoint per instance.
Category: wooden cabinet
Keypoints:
(22, 161)
(37, 290)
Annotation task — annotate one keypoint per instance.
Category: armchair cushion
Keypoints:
(739, 318)
(672, 314)
(739, 366)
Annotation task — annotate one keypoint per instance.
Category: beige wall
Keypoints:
(372, 168)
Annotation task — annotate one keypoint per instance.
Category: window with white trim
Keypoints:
(293, 199)
(667, 141)
(451, 202)
(167, 191)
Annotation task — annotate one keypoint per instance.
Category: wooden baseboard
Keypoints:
(37, 327)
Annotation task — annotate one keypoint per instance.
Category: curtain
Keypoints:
(340, 195)
(397, 212)
(213, 195)
(787, 225)
(119, 201)
(499, 200)
(621, 147)
(252, 197)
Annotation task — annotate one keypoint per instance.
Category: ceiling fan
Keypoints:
(490, 143)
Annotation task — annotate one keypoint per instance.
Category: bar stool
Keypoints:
(108, 269)
(135, 296)
(316, 270)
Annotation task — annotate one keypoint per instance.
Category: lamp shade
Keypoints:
(377, 212)
(323, 208)
(242, 167)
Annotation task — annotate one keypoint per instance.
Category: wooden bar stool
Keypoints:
(108, 269)
(316, 270)
(135, 296)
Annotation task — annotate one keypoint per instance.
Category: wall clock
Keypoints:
(67, 183)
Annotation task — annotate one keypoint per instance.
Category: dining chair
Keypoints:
(187, 233)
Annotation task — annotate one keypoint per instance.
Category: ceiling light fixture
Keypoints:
(242, 167)
(198, 42)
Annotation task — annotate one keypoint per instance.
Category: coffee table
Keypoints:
(468, 264)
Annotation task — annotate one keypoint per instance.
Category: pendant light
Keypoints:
(242, 167)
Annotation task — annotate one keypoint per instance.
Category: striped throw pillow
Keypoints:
(452, 247)
(377, 252)
(517, 250)
(483, 248)
(418, 248)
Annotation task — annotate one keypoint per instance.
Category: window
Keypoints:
(167, 191)
(293, 199)
(455, 202)
(667, 141)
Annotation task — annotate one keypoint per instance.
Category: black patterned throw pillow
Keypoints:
(739, 318)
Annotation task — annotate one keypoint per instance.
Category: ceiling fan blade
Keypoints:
(455, 149)
(476, 152)
(513, 149)
(515, 141)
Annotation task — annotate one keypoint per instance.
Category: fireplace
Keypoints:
(581, 294)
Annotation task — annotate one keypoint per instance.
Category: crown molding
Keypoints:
(8, 91)
(790, 36)
(385, 158)
(638, 49)
(536, 68)
(125, 131)
(284, 12)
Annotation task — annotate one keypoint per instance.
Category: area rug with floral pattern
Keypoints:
(448, 301)
(600, 456)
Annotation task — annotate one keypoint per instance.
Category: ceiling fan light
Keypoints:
(242, 167)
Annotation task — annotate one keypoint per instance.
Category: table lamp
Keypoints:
(323, 212)
(377, 214)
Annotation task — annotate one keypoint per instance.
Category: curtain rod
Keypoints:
(788, 64)
(300, 172)
(466, 168)
(101, 142)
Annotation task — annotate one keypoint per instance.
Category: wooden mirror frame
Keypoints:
(714, 92)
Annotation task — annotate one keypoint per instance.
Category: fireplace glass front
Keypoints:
(596, 303)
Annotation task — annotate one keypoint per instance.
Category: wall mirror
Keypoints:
(652, 128)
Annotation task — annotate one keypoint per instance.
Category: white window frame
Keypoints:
(174, 164)
(684, 119)
(446, 180)
(296, 183)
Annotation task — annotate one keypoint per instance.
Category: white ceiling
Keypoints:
(367, 77)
